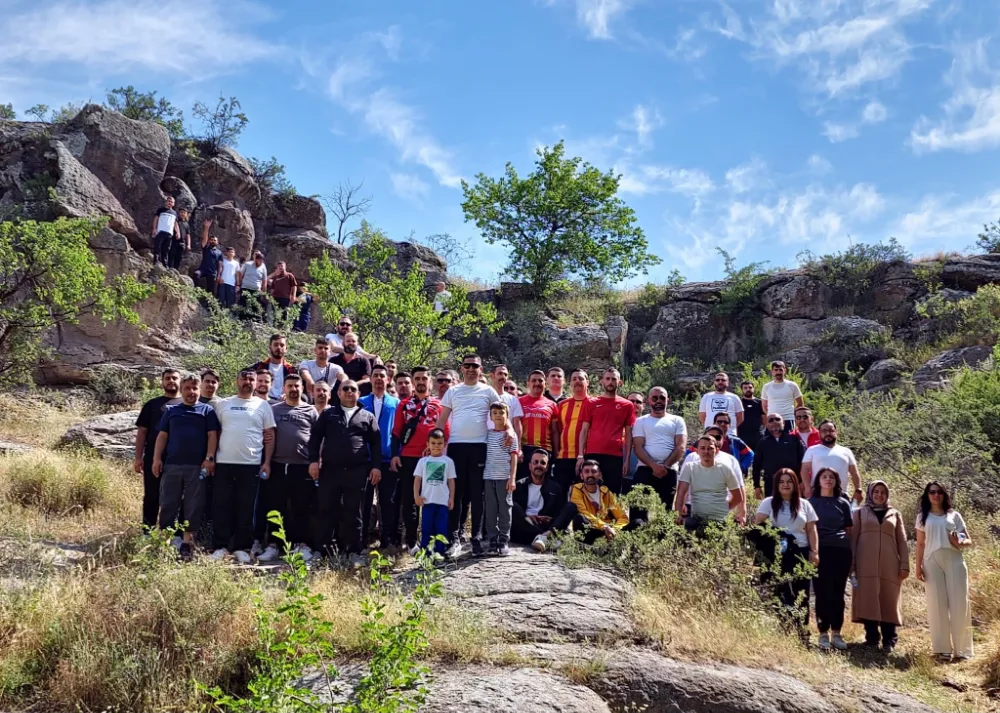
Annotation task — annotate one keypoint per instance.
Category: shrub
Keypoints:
(117, 387)
(54, 484)
(739, 296)
(989, 240)
(973, 320)
(850, 272)
(222, 124)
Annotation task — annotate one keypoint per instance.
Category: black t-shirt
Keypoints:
(749, 430)
(834, 517)
(149, 417)
(358, 368)
(550, 397)
(209, 261)
(182, 228)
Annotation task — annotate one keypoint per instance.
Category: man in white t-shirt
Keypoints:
(468, 406)
(715, 487)
(501, 375)
(251, 283)
(243, 457)
(314, 371)
(441, 296)
(658, 440)
(226, 280)
(781, 396)
(165, 228)
(719, 401)
(336, 337)
(830, 455)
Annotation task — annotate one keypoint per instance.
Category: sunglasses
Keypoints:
(349, 388)
(803, 417)
(444, 381)
(472, 366)
(345, 324)
(774, 420)
(722, 423)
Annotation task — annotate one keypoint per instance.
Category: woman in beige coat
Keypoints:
(881, 563)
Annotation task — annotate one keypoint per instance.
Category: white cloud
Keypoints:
(945, 220)
(874, 112)
(747, 176)
(409, 186)
(598, 15)
(347, 73)
(643, 121)
(187, 38)
(391, 40)
(839, 132)
(649, 178)
(819, 165)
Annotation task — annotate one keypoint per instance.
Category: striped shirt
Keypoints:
(573, 414)
(536, 423)
(498, 456)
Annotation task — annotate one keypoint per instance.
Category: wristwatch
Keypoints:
(210, 459)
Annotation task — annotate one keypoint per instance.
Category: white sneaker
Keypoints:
(414, 551)
(307, 553)
(176, 542)
(269, 555)
(358, 561)
(824, 642)
(219, 554)
(540, 543)
(243, 557)
(839, 643)
(455, 551)
(256, 549)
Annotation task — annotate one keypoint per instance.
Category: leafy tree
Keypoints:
(563, 220)
(144, 106)
(395, 312)
(270, 176)
(67, 112)
(345, 203)
(989, 240)
(223, 124)
(50, 277)
(7, 112)
(38, 111)
(740, 293)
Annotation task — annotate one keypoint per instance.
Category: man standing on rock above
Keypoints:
(720, 400)
(320, 369)
(346, 438)
(282, 286)
(556, 379)
(383, 406)
(538, 500)
(715, 487)
(780, 395)
(185, 447)
(336, 338)
(776, 450)
(575, 414)
(303, 308)
(753, 416)
(609, 441)
(540, 423)
(357, 366)
(181, 242)
(277, 347)
(416, 416)
(229, 268)
(244, 456)
(468, 406)
(147, 428)
(829, 454)
(659, 440)
(501, 375)
(251, 285)
(207, 274)
(164, 229)
(804, 428)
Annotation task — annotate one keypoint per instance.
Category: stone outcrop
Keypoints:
(884, 374)
(79, 194)
(111, 435)
(406, 255)
(300, 248)
(934, 373)
(589, 346)
(793, 296)
(293, 213)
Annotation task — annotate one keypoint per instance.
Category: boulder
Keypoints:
(79, 194)
(487, 689)
(934, 373)
(896, 286)
(706, 292)
(970, 272)
(300, 248)
(794, 296)
(129, 157)
(684, 329)
(883, 374)
(111, 435)
(295, 213)
(226, 177)
(791, 333)
(183, 198)
(588, 346)
(232, 224)
(407, 255)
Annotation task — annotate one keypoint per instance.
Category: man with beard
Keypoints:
(416, 416)
(383, 405)
(290, 490)
(777, 449)
(658, 439)
(208, 271)
(780, 395)
(356, 366)
(346, 439)
(251, 285)
(718, 401)
(753, 416)
(610, 439)
(575, 414)
(714, 485)
(185, 447)
(313, 371)
(592, 509)
(444, 381)
(277, 347)
(538, 500)
(556, 379)
(209, 387)
(147, 429)
(404, 385)
(336, 337)
(804, 428)
(243, 458)
(321, 396)
(830, 454)
(540, 423)
(733, 445)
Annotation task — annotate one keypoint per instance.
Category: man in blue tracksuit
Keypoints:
(383, 405)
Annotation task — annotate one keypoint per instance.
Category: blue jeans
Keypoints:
(433, 521)
(227, 295)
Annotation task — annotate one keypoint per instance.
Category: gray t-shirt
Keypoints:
(834, 515)
(498, 455)
(710, 487)
(253, 276)
(293, 425)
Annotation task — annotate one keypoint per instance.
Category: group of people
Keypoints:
(467, 462)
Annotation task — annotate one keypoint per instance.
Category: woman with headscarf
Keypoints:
(881, 563)
(941, 537)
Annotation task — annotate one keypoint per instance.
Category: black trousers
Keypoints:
(611, 470)
(275, 494)
(873, 628)
(161, 247)
(341, 492)
(367, 505)
(564, 472)
(388, 507)
(234, 503)
(175, 254)
(470, 460)
(206, 282)
(303, 493)
(793, 595)
(408, 512)
(665, 487)
(829, 586)
(150, 495)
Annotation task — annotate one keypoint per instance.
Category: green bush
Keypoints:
(851, 272)
(53, 484)
(973, 320)
(739, 297)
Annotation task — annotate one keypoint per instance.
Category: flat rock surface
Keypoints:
(535, 598)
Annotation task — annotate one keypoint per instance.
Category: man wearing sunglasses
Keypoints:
(336, 338)
(443, 381)
(658, 439)
(775, 450)
(805, 429)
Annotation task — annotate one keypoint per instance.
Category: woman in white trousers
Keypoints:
(941, 538)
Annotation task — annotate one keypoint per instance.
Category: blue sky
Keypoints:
(765, 127)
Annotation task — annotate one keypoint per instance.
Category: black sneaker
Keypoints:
(503, 550)
(186, 552)
(477, 548)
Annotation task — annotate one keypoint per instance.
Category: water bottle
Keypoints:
(784, 546)
(203, 474)
(854, 582)
(262, 475)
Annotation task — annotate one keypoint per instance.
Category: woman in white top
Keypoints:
(796, 518)
(941, 537)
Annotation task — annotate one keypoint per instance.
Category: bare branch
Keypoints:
(345, 203)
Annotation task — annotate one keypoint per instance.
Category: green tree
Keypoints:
(270, 176)
(67, 112)
(144, 106)
(39, 112)
(7, 112)
(394, 311)
(50, 277)
(563, 220)
(223, 124)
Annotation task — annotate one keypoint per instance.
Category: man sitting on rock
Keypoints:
(592, 509)
(538, 500)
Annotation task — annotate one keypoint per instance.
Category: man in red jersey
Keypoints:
(610, 439)
(416, 417)
(540, 422)
(574, 423)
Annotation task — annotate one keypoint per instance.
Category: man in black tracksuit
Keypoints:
(346, 440)
(530, 517)
(775, 450)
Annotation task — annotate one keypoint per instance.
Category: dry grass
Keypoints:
(41, 417)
